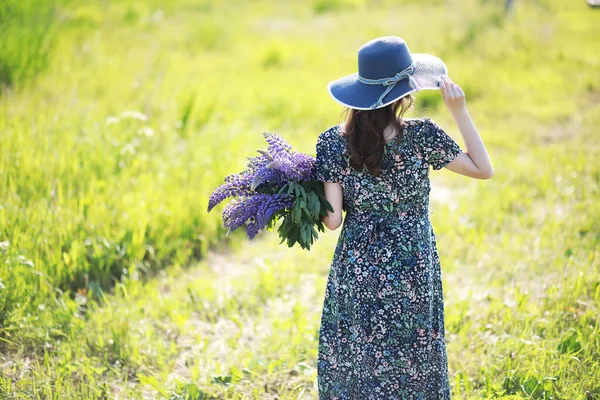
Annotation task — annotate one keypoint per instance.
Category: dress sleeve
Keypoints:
(436, 147)
(329, 157)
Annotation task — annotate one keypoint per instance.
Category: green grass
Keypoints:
(27, 39)
(114, 277)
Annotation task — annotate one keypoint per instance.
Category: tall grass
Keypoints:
(108, 157)
(27, 31)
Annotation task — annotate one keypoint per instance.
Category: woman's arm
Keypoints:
(475, 163)
(335, 197)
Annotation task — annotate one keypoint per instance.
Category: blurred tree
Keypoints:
(508, 6)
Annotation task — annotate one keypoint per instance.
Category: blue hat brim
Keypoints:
(350, 92)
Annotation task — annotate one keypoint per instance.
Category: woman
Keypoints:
(382, 328)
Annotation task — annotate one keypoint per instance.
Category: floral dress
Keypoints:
(382, 327)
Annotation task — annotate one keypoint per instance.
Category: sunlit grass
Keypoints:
(109, 153)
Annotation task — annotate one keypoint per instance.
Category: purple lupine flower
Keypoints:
(255, 189)
(252, 228)
(238, 212)
(272, 205)
(235, 185)
(294, 166)
(258, 161)
(277, 143)
(234, 216)
(266, 176)
(272, 168)
(255, 211)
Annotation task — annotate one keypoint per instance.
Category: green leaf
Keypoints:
(530, 386)
(569, 343)
(303, 236)
(313, 204)
(150, 380)
(297, 215)
(302, 191)
(326, 205)
(569, 253)
(193, 392)
(307, 213)
(283, 189)
(314, 232)
(320, 226)
(222, 379)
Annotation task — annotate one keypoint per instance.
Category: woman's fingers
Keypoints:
(443, 89)
(455, 90)
(452, 94)
(449, 89)
(452, 90)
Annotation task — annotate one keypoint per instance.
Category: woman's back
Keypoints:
(404, 179)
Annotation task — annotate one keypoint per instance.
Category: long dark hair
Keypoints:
(363, 130)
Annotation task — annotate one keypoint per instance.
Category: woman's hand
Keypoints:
(453, 95)
(475, 162)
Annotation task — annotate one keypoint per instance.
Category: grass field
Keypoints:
(117, 119)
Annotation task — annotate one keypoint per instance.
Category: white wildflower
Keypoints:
(110, 120)
(24, 261)
(128, 148)
(146, 131)
(134, 114)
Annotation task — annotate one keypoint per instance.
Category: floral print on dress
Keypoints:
(382, 326)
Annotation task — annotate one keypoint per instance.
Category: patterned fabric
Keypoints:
(382, 327)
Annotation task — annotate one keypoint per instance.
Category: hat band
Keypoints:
(391, 83)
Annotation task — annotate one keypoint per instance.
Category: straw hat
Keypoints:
(387, 71)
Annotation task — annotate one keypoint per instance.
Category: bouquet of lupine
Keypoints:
(277, 184)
